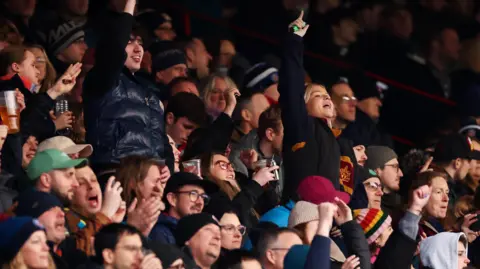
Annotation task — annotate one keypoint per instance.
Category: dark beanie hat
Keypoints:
(165, 55)
(219, 205)
(14, 232)
(61, 35)
(364, 174)
(166, 253)
(34, 203)
(259, 77)
(188, 226)
(452, 147)
(152, 19)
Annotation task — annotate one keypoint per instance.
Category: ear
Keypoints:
(15, 67)
(159, 75)
(170, 118)
(171, 199)
(378, 171)
(270, 134)
(457, 163)
(270, 256)
(246, 115)
(108, 256)
(44, 182)
(190, 54)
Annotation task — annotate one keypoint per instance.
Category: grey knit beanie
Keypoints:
(378, 156)
(302, 212)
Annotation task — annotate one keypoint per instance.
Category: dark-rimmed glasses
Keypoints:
(194, 195)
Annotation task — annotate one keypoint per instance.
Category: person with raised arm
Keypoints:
(310, 147)
(123, 115)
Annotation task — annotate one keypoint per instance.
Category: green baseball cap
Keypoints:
(48, 160)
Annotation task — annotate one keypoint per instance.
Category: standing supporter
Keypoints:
(369, 194)
(113, 133)
(158, 24)
(143, 186)
(345, 103)
(384, 162)
(310, 147)
(24, 244)
(453, 156)
(198, 58)
(262, 78)
(200, 237)
(472, 180)
(377, 226)
(185, 194)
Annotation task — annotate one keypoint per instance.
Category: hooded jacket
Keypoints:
(164, 229)
(441, 251)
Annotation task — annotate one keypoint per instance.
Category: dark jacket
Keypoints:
(356, 244)
(309, 146)
(123, 116)
(164, 230)
(397, 253)
(67, 255)
(364, 131)
(319, 253)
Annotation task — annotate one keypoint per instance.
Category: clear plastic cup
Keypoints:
(9, 111)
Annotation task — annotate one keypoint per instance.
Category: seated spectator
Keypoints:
(445, 250)
(185, 113)
(384, 162)
(52, 171)
(120, 245)
(262, 78)
(24, 244)
(199, 236)
(184, 194)
(170, 255)
(274, 244)
(67, 146)
(168, 63)
(247, 114)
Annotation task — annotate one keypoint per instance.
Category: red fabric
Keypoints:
(26, 83)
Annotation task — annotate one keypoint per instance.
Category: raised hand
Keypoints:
(420, 198)
(120, 214)
(66, 82)
(20, 100)
(112, 198)
(151, 262)
(65, 120)
(248, 158)
(299, 26)
(426, 166)
(326, 212)
(468, 220)
(344, 213)
(231, 100)
(265, 175)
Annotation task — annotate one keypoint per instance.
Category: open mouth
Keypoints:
(137, 58)
(93, 201)
(327, 106)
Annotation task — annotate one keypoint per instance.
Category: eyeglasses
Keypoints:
(224, 165)
(347, 99)
(130, 248)
(194, 195)
(373, 186)
(394, 166)
(280, 249)
(230, 228)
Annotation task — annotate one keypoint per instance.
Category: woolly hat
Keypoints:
(188, 226)
(378, 156)
(14, 232)
(259, 77)
(62, 34)
(33, 203)
(373, 221)
(302, 212)
(166, 54)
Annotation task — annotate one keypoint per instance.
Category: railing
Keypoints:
(187, 16)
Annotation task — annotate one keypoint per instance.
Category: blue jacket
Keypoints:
(164, 230)
(123, 115)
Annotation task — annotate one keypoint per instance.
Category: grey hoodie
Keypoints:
(441, 250)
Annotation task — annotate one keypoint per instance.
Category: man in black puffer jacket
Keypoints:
(123, 115)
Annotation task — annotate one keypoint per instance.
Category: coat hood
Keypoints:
(441, 251)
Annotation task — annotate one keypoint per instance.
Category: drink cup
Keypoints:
(9, 111)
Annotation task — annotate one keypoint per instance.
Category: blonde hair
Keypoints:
(210, 86)
(50, 73)
(18, 262)
(309, 89)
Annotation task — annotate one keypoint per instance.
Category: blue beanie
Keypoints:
(259, 77)
(296, 257)
(14, 232)
(34, 203)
